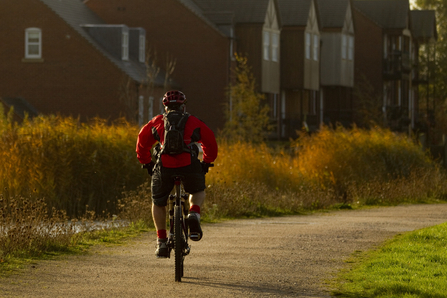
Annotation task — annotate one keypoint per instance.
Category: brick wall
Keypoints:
(74, 77)
(201, 52)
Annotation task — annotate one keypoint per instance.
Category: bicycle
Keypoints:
(178, 226)
(178, 207)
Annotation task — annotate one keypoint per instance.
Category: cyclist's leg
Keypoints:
(159, 216)
(197, 199)
(160, 191)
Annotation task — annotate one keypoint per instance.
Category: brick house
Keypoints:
(300, 66)
(53, 63)
(255, 27)
(398, 98)
(337, 60)
(177, 30)
(424, 36)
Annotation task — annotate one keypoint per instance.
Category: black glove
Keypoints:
(206, 166)
(149, 167)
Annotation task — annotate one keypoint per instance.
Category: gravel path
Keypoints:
(274, 257)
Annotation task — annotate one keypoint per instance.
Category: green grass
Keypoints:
(410, 265)
(80, 245)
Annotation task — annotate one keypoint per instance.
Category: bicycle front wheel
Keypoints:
(178, 243)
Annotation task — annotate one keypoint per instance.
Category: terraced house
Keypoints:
(316, 61)
(301, 99)
(390, 33)
(61, 58)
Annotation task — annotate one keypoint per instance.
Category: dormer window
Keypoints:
(142, 49)
(316, 46)
(275, 47)
(125, 46)
(347, 47)
(33, 43)
(308, 45)
(266, 42)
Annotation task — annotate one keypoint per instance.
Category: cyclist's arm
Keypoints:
(209, 144)
(145, 142)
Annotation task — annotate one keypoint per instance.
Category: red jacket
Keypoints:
(148, 134)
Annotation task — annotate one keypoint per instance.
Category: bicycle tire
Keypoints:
(178, 243)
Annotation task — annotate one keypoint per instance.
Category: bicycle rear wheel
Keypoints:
(178, 243)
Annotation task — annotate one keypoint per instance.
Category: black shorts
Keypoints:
(162, 182)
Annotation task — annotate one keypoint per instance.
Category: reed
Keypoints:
(53, 169)
(68, 163)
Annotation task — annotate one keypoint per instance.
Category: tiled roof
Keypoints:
(293, 12)
(389, 14)
(199, 12)
(75, 13)
(245, 11)
(423, 24)
(21, 106)
(332, 13)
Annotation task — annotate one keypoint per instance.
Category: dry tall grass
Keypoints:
(55, 168)
(70, 164)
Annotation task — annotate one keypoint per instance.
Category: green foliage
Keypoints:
(412, 265)
(438, 73)
(68, 163)
(247, 117)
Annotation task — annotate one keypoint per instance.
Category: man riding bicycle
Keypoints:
(185, 164)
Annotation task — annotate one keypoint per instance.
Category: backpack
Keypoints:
(174, 123)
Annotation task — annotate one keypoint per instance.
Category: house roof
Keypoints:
(20, 105)
(294, 13)
(245, 11)
(389, 14)
(76, 13)
(423, 25)
(332, 13)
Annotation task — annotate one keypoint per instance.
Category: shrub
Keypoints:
(70, 164)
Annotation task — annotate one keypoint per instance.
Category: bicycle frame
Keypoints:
(178, 227)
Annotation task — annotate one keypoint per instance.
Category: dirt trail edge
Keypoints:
(275, 257)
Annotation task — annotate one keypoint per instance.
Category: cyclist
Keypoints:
(186, 164)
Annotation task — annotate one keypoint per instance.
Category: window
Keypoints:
(33, 43)
(266, 38)
(275, 47)
(344, 46)
(125, 46)
(142, 50)
(307, 45)
(351, 48)
(315, 47)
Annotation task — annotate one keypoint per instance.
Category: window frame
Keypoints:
(125, 46)
(315, 47)
(28, 31)
(275, 46)
(307, 45)
(344, 46)
(142, 49)
(266, 45)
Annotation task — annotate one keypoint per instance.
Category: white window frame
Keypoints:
(142, 49)
(125, 46)
(266, 45)
(29, 44)
(275, 47)
(316, 44)
(307, 45)
(351, 48)
(344, 47)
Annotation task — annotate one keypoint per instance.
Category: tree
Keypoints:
(439, 71)
(247, 114)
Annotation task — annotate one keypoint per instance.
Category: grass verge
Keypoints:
(410, 265)
(81, 243)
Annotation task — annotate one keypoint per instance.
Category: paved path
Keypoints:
(275, 257)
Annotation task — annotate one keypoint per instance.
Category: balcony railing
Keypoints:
(396, 64)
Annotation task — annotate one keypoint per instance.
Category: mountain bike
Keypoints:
(178, 226)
